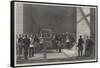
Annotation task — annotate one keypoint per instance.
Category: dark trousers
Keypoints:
(80, 51)
(41, 46)
(88, 52)
(25, 53)
(56, 46)
(31, 51)
(59, 49)
(20, 49)
(68, 45)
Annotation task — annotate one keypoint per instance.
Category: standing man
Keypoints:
(89, 47)
(67, 42)
(20, 41)
(31, 48)
(26, 46)
(56, 41)
(80, 46)
(59, 46)
(41, 43)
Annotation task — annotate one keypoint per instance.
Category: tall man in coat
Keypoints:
(89, 47)
(20, 42)
(26, 47)
(80, 46)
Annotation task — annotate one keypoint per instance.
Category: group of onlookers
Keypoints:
(28, 44)
(64, 41)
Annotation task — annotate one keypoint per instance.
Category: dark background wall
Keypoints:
(58, 19)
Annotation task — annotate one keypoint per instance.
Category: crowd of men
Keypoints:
(29, 43)
(26, 44)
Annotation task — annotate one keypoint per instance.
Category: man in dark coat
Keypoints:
(89, 47)
(80, 46)
(26, 47)
(20, 42)
(59, 46)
